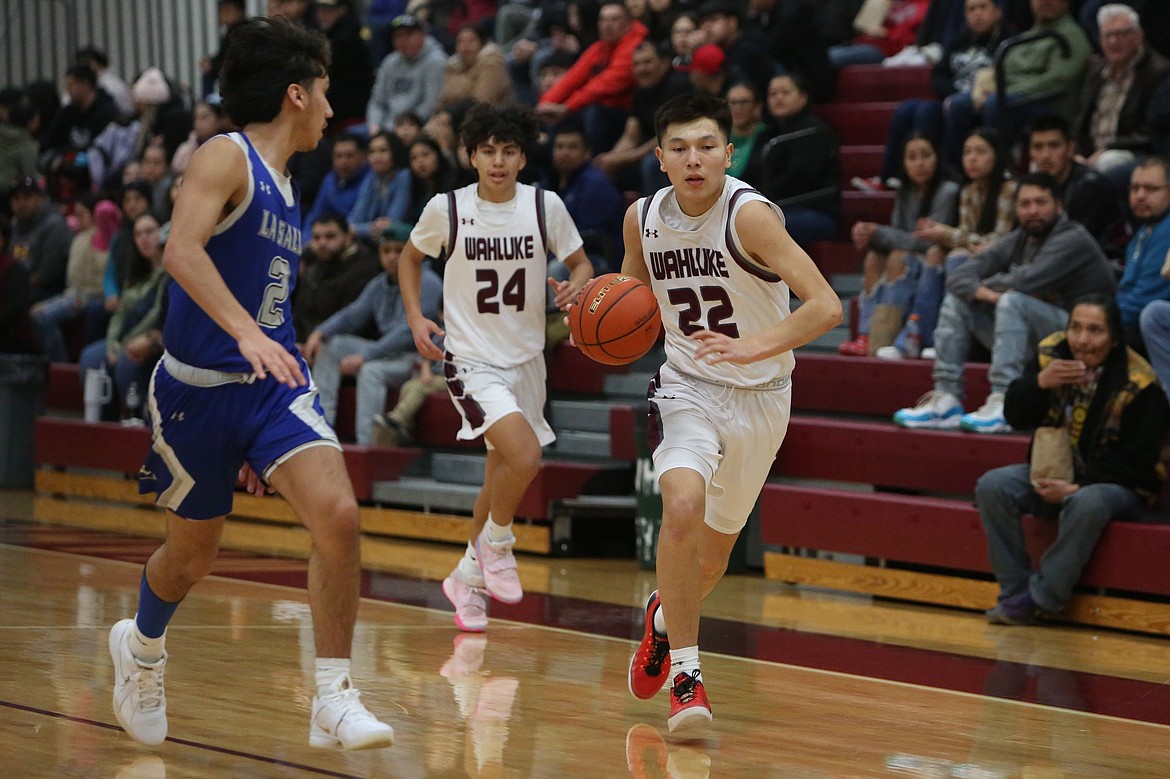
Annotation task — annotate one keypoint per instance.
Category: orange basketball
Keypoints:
(615, 320)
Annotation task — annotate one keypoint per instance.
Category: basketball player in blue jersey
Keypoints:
(721, 265)
(232, 394)
(497, 235)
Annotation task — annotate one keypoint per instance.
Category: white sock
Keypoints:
(659, 621)
(469, 569)
(497, 533)
(148, 650)
(330, 672)
(686, 660)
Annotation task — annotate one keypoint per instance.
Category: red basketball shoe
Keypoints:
(651, 661)
(688, 701)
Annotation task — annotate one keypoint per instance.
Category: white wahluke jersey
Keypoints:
(704, 279)
(496, 273)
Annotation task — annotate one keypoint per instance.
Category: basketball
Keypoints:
(615, 319)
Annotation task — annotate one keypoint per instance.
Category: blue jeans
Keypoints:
(1155, 327)
(1010, 331)
(855, 54)
(899, 292)
(806, 225)
(1005, 494)
(928, 298)
(911, 115)
(373, 378)
(960, 117)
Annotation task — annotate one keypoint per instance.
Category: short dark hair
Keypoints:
(1108, 303)
(264, 55)
(88, 54)
(356, 140)
(507, 124)
(690, 106)
(1047, 123)
(82, 73)
(1042, 180)
(1151, 161)
(332, 217)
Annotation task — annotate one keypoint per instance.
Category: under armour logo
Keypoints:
(651, 233)
(265, 188)
(467, 221)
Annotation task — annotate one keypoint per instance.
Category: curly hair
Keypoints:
(506, 124)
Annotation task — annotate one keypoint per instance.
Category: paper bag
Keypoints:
(1052, 455)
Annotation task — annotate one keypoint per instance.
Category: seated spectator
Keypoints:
(162, 113)
(97, 221)
(594, 203)
(987, 210)
(342, 185)
(378, 16)
(600, 84)
(685, 35)
(430, 173)
(1008, 298)
(407, 127)
(631, 163)
(155, 171)
(335, 350)
(1040, 78)
(957, 79)
(133, 341)
(107, 80)
(208, 121)
(1087, 197)
(87, 114)
(551, 38)
(351, 73)
(1146, 256)
(789, 32)
(709, 72)
(135, 203)
(410, 79)
(16, 330)
(396, 427)
(334, 271)
(230, 14)
(1111, 127)
(18, 148)
(386, 191)
(1115, 415)
(799, 167)
(749, 131)
(722, 25)
(892, 250)
(476, 71)
(40, 238)
(878, 39)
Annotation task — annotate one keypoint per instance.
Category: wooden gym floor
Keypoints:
(803, 684)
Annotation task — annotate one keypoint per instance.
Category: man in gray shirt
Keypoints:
(1009, 298)
(40, 238)
(410, 79)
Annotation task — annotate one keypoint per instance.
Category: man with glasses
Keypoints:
(1112, 126)
(1144, 284)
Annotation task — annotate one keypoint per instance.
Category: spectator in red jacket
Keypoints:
(600, 84)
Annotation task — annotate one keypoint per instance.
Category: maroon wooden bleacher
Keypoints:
(864, 161)
(877, 83)
(858, 124)
(864, 207)
(835, 257)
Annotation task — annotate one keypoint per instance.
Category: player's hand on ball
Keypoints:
(717, 347)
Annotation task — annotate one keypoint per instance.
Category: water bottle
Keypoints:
(912, 342)
(133, 404)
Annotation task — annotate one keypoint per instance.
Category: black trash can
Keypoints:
(648, 517)
(22, 383)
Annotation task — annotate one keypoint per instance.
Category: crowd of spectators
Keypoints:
(405, 72)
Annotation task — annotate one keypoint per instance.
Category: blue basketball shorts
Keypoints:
(207, 424)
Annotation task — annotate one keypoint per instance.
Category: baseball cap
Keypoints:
(27, 184)
(707, 58)
(405, 22)
(396, 231)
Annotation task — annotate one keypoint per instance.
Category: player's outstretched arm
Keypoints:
(410, 285)
(215, 182)
(764, 238)
(634, 263)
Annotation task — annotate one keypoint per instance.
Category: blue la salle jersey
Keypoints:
(257, 250)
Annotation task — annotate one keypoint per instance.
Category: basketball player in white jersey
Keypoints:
(497, 235)
(721, 264)
(232, 390)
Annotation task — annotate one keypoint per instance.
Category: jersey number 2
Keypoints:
(489, 286)
(271, 314)
(692, 310)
